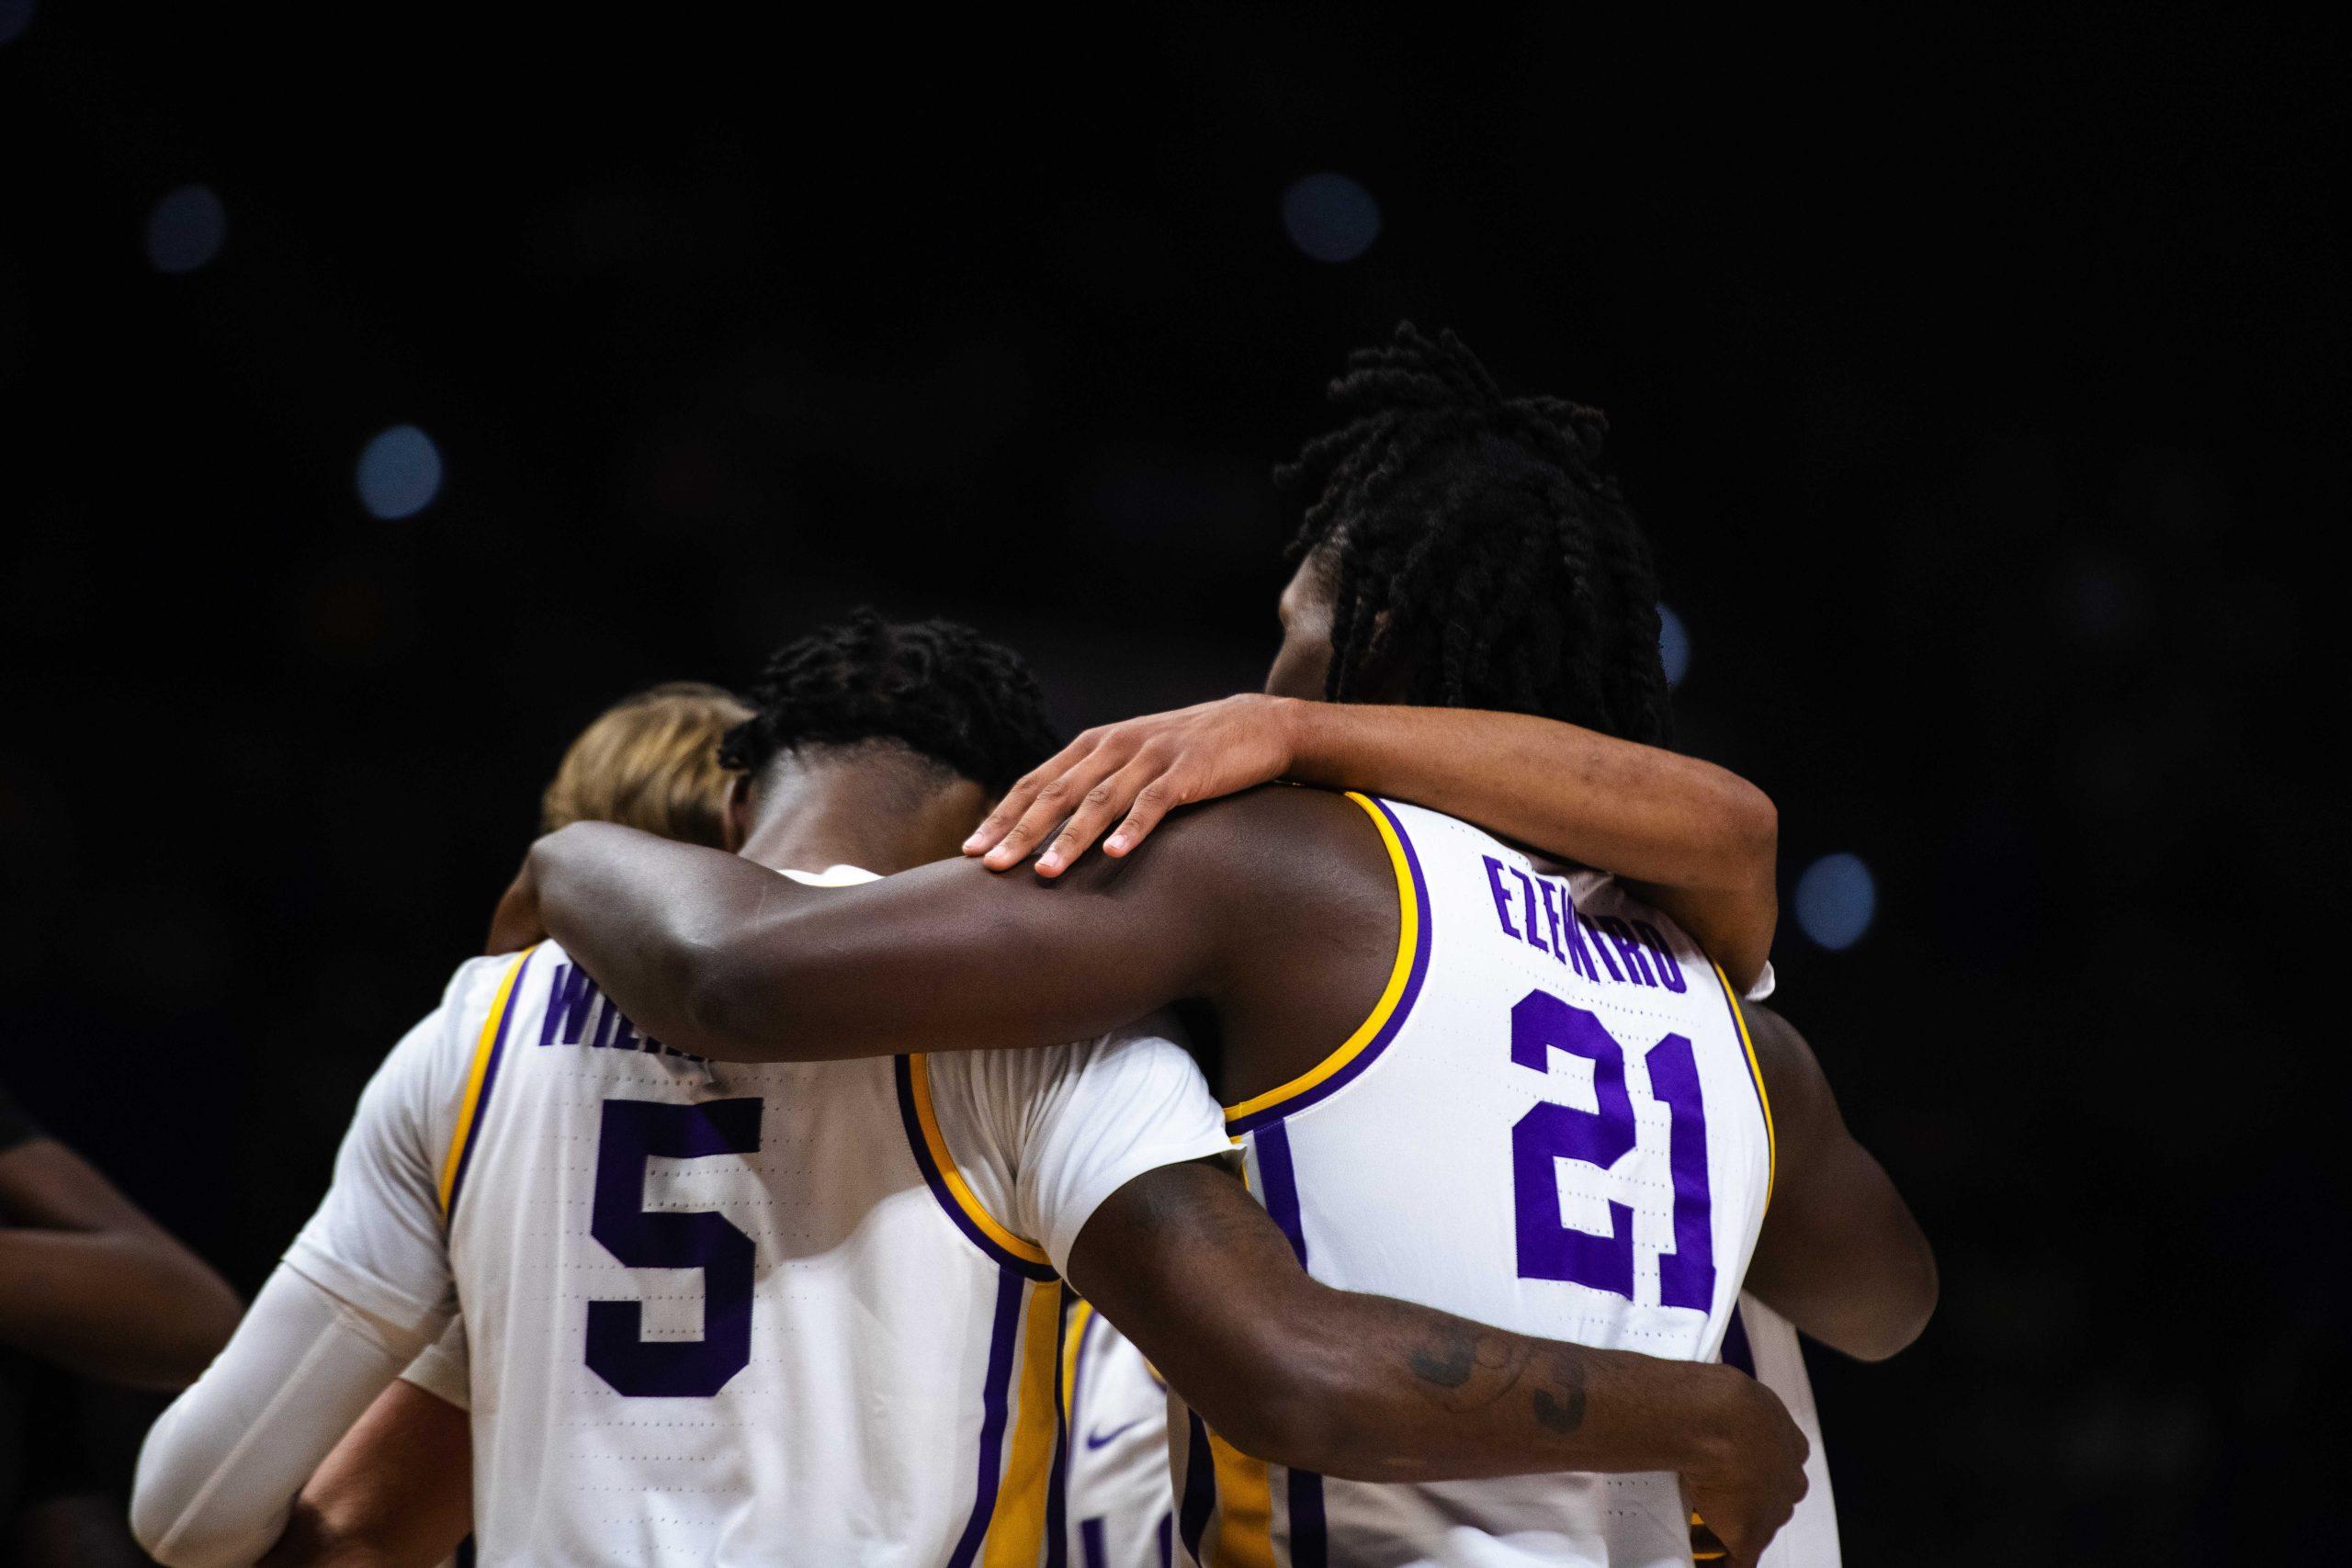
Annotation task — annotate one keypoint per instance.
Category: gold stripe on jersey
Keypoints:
(918, 1077)
(1245, 1509)
(1017, 1528)
(1073, 1340)
(1409, 927)
(471, 1104)
(1772, 1142)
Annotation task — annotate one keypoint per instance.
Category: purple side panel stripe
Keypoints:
(1736, 1348)
(1310, 1541)
(1008, 1289)
(1200, 1483)
(1308, 1538)
(488, 1082)
(1057, 1487)
(904, 1076)
(1396, 1020)
(1272, 1144)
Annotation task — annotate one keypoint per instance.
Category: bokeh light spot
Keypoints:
(399, 472)
(15, 16)
(1673, 646)
(186, 228)
(1836, 898)
(1330, 218)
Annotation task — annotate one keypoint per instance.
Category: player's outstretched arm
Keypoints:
(88, 1282)
(1367, 1388)
(1840, 1255)
(1697, 840)
(219, 1472)
(711, 954)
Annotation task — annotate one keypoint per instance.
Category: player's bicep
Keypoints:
(1188, 1266)
(1840, 1253)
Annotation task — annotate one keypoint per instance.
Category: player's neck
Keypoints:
(883, 813)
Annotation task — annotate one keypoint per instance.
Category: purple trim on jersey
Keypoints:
(1275, 1174)
(1200, 1483)
(1747, 1052)
(488, 1082)
(1736, 1348)
(1308, 1539)
(904, 1074)
(1010, 1289)
(1058, 1485)
(1396, 1019)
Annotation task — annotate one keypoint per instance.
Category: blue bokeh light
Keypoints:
(1330, 218)
(1835, 900)
(15, 16)
(399, 473)
(1673, 646)
(186, 228)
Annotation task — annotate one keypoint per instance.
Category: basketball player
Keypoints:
(399, 1488)
(904, 1223)
(1384, 983)
(1586, 797)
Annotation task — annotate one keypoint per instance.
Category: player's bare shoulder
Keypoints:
(1294, 853)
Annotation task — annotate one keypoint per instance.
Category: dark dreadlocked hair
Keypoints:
(938, 686)
(1481, 539)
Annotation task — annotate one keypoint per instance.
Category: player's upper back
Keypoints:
(775, 1312)
(1549, 1121)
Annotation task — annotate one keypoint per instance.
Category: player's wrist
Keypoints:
(1730, 1414)
(1312, 738)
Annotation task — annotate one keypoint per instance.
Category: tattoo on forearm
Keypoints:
(1473, 1366)
(1447, 1357)
(1561, 1406)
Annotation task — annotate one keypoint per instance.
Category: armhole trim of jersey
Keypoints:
(1371, 1037)
(1756, 1075)
(489, 1046)
(947, 1183)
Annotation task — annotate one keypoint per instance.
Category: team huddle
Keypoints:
(1372, 1152)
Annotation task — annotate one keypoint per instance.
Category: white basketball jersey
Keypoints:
(1550, 1123)
(1121, 1511)
(1764, 1345)
(727, 1313)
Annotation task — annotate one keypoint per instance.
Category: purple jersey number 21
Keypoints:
(1548, 1249)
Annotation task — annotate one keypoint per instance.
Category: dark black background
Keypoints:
(1981, 381)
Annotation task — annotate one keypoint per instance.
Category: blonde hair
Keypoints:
(651, 761)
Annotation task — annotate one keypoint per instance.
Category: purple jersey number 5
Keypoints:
(1549, 1249)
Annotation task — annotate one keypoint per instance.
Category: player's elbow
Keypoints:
(734, 1000)
(1921, 1288)
(1749, 826)
(1906, 1300)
